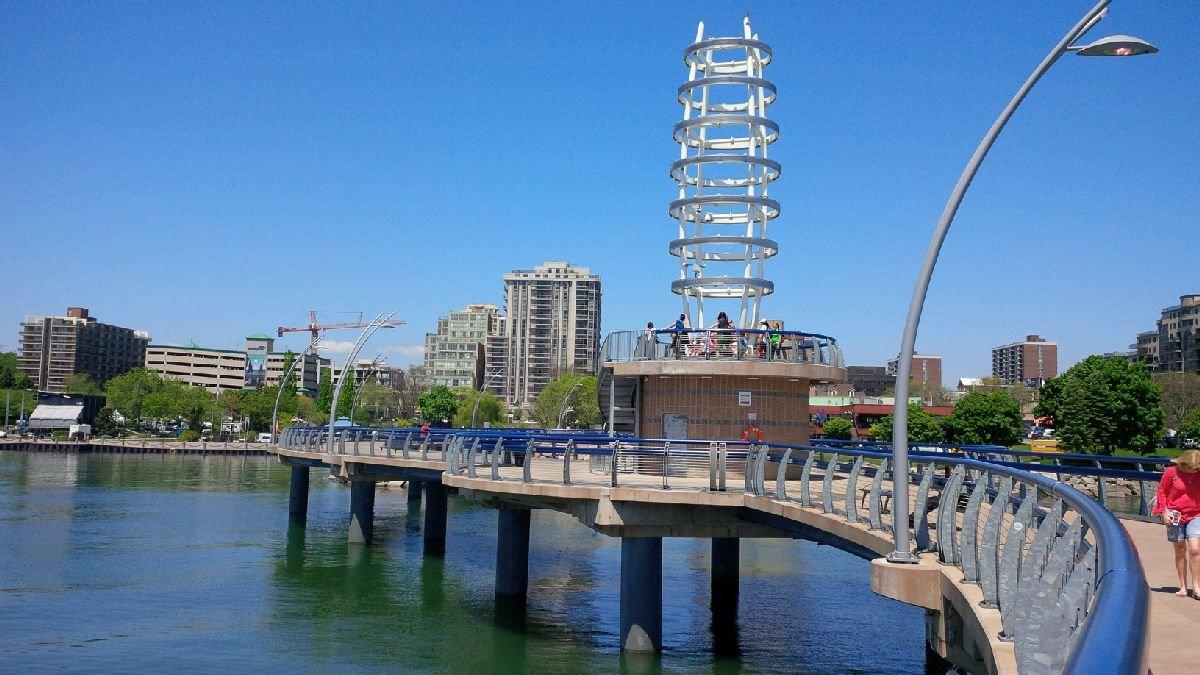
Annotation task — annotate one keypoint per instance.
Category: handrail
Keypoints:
(1071, 592)
(720, 344)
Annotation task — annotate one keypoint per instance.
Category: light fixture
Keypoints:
(1115, 45)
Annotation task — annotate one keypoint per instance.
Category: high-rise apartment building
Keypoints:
(926, 369)
(1178, 346)
(219, 369)
(1031, 361)
(454, 355)
(551, 326)
(1147, 347)
(53, 348)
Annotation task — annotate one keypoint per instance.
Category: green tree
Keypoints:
(437, 404)
(1102, 404)
(81, 383)
(377, 401)
(287, 401)
(979, 418)
(570, 400)
(325, 391)
(837, 427)
(1191, 426)
(1180, 396)
(346, 395)
(105, 423)
(922, 427)
(490, 409)
(127, 393)
(11, 376)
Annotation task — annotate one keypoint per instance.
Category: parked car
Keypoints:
(264, 437)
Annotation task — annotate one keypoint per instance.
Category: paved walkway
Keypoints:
(1174, 621)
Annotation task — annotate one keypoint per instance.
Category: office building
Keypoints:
(367, 370)
(53, 348)
(1147, 347)
(257, 365)
(926, 369)
(1031, 361)
(551, 326)
(455, 353)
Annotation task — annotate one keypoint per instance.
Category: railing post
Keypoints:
(666, 459)
(722, 464)
(567, 461)
(712, 467)
(616, 445)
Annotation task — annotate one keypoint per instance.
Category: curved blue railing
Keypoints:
(1068, 582)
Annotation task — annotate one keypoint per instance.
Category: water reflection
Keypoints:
(144, 562)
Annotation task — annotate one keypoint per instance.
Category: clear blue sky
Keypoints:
(209, 170)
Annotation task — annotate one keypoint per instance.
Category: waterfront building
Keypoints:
(1147, 347)
(552, 326)
(455, 352)
(1031, 361)
(1178, 346)
(367, 370)
(862, 412)
(53, 348)
(219, 369)
(926, 369)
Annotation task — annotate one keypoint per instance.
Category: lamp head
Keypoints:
(1116, 45)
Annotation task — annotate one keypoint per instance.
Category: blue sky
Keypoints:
(209, 170)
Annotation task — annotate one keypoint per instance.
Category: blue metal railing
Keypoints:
(1073, 598)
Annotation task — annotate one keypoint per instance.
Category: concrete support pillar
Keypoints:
(414, 493)
(435, 518)
(298, 496)
(362, 511)
(641, 594)
(725, 554)
(512, 552)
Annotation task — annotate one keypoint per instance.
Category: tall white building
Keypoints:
(454, 355)
(552, 326)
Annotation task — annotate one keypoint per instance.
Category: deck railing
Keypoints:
(715, 344)
(1056, 564)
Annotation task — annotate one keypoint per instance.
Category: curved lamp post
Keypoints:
(562, 410)
(311, 348)
(1117, 45)
(375, 324)
(479, 394)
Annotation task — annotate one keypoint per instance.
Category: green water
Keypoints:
(119, 563)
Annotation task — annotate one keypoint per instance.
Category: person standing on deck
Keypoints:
(1178, 503)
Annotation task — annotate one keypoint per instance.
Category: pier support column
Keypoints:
(641, 594)
(298, 496)
(512, 552)
(725, 554)
(362, 511)
(414, 493)
(435, 518)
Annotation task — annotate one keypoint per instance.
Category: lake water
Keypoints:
(166, 563)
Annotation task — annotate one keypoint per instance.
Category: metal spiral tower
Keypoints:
(723, 173)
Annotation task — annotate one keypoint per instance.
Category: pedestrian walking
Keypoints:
(1178, 503)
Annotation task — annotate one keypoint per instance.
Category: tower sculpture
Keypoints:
(723, 174)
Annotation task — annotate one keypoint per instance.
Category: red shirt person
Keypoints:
(752, 433)
(1178, 502)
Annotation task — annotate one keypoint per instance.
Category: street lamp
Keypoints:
(1117, 45)
(564, 408)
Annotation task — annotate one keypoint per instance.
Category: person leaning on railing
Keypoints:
(1178, 503)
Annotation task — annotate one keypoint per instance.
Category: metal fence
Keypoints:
(716, 344)
(1055, 563)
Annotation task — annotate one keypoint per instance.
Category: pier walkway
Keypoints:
(1017, 571)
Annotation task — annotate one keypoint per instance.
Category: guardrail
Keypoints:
(716, 344)
(1055, 563)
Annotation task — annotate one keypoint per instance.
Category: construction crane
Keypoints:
(315, 328)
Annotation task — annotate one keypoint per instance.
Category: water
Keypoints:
(143, 562)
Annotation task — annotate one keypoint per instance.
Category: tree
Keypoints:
(979, 418)
(346, 395)
(1191, 426)
(105, 423)
(127, 393)
(1102, 404)
(438, 404)
(570, 401)
(922, 427)
(412, 386)
(11, 376)
(325, 391)
(81, 383)
(837, 427)
(490, 409)
(1180, 396)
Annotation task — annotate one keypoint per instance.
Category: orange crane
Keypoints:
(315, 328)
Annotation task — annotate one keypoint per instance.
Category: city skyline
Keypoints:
(191, 210)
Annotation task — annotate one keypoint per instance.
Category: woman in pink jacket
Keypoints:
(1178, 503)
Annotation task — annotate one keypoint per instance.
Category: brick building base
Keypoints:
(719, 407)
